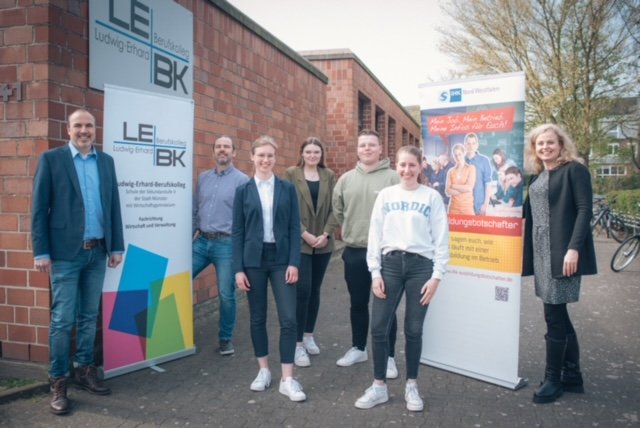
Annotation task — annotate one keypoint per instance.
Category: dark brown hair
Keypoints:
(316, 142)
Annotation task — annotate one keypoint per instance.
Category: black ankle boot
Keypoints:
(571, 376)
(87, 379)
(551, 388)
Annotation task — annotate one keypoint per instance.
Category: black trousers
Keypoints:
(358, 279)
(559, 324)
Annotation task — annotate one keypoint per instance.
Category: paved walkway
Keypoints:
(209, 390)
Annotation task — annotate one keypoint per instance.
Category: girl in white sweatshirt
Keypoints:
(408, 251)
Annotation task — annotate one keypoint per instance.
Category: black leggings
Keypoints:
(559, 325)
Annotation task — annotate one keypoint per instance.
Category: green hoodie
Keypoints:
(353, 198)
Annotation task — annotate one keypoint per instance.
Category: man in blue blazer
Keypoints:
(76, 226)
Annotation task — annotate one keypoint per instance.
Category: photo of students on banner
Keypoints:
(479, 140)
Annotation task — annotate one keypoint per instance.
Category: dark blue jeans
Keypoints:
(218, 252)
(401, 272)
(358, 278)
(285, 297)
(312, 270)
(76, 290)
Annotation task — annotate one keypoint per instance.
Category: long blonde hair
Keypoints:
(568, 149)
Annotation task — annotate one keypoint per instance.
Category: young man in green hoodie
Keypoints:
(353, 199)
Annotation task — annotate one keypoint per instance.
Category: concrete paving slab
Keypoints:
(207, 389)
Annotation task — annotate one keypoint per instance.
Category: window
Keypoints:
(380, 124)
(364, 112)
(613, 148)
(391, 135)
(614, 132)
(611, 171)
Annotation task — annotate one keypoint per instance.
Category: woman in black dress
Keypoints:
(557, 252)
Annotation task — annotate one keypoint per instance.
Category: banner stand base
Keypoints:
(151, 363)
(513, 384)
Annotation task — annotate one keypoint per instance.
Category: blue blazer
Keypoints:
(57, 215)
(248, 231)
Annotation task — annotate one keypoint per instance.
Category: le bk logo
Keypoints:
(146, 136)
(135, 18)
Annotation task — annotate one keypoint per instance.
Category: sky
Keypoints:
(396, 40)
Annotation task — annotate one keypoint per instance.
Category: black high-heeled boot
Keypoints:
(571, 377)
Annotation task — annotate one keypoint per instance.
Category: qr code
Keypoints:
(502, 294)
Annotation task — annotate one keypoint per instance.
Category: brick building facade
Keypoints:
(356, 99)
(246, 83)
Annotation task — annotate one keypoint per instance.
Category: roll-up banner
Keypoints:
(147, 302)
(477, 126)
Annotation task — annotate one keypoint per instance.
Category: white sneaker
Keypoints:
(262, 381)
(301, 358)
(374, 395)
(353, 356)
(310, 345)
(392, 369)
(292, 389)
(412, 397)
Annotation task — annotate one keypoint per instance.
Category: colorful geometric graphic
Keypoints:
(150, 315)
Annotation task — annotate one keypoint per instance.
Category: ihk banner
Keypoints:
(473, 133)
(147, 301)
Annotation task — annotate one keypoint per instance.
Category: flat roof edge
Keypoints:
(338, 54)
(259, 31)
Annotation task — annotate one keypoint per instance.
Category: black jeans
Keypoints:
(312, 270)
(559, 324)
(285, 297)
(358, 278)
(401, 272)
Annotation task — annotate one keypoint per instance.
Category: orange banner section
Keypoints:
(506, 226)
(496, 120)
(490, 252)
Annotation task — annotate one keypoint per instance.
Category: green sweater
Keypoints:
(353, 198)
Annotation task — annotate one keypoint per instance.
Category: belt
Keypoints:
(404, 253)
(90, 244)
(215, 235)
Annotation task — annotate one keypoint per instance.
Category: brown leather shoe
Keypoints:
(59, 404)
(87, 379)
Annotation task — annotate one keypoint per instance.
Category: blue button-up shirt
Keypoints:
(89, 179)
(483, 177)
(213, 199)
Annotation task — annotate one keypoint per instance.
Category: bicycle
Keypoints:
(613, 224)
(626, 252)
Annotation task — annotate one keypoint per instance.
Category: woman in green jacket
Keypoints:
(314, 184)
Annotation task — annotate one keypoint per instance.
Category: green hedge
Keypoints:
(604, 185)
(625, 201)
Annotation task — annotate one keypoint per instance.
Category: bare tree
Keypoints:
(578, 55)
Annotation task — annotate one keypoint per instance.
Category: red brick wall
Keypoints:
(244, 86)
(348, 77)
(38, 51)
(251, 88)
